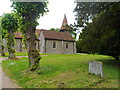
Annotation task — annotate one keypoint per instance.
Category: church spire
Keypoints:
(64, 20)
(64, 23)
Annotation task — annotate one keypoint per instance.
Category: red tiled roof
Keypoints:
(57, 35)
(19, 34)
(50, 35)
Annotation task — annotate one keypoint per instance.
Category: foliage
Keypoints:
(1, 46)
(2, 36)
(2, 32)
(27, 14)
(86, 11)
(54, 29)
(79, 46)
(10, 40)
(103, 34)
(9, 23)
(60, 70)
(72, 29)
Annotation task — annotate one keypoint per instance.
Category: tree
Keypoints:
(78, 47)
(27, 14)
(54, 29)
(103, 34)
(2, 35)
(86, 11)
(9, 23)
(72, 29)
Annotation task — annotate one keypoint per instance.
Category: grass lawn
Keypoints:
(19, 54)
(63, 71)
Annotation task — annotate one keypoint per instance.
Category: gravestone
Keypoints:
(95, 67)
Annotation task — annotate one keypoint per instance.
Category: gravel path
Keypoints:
(5, 81)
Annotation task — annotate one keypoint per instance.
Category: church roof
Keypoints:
(19, 34)
(55, 35)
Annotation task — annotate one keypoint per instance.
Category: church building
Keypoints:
(59, 42)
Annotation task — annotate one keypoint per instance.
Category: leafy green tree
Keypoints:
(78, 46)
(103, 34)
(54, 29)
(86, 11)
(9, 23)
(72, 29)
(2, 35)
(28, 13)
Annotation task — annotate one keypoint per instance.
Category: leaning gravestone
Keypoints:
(95, 67)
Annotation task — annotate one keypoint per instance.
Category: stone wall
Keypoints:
(60, 47)
(75, 47)
(49, 46)
(41, 43)
(18, 45)
(46, 46)
(70, 49)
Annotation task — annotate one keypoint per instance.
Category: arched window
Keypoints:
(66, 45)
(54, 44)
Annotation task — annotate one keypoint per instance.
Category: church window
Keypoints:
(66, 45)
(54, 44)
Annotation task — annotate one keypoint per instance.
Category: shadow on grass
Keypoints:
(111, 62)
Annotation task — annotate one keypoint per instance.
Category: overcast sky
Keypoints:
(54, 18)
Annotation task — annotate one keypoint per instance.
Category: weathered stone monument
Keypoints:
(95, 67)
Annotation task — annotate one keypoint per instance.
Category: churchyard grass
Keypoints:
(63, 71)
(19, 54)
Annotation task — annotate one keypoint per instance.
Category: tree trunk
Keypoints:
(2, 52)
(10, 44)
(33, 54)
(1, 47)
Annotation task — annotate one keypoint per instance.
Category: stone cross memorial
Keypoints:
(95, 67)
